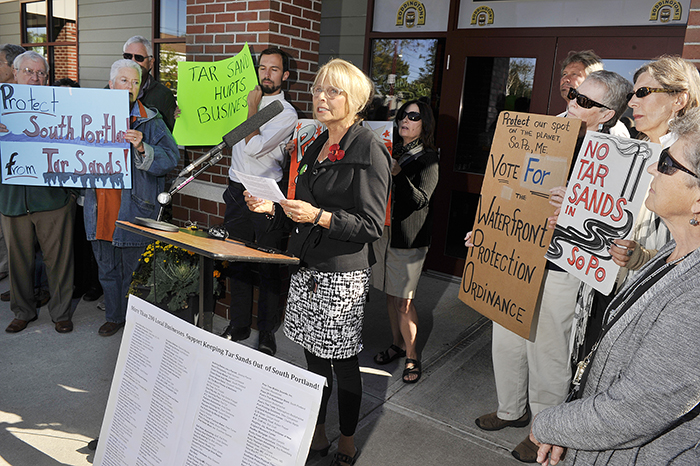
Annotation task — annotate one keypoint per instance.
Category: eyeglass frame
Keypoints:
(316, 91)
(411, 116)
(31, 72)
(648, 91)
(136, 56)
(573, 94)
(673, 167)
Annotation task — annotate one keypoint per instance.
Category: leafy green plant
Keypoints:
(172, 275)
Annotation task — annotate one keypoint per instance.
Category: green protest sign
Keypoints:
(212, 97)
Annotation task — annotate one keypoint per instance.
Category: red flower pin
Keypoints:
(336, 153)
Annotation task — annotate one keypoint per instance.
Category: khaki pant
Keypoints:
(539, 370)
(53, 230)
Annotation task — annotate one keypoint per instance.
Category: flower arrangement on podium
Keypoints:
(168, 276)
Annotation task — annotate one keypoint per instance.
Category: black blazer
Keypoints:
(355, 189)
(411, 217)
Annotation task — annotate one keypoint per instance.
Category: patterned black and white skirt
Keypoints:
(325, 311)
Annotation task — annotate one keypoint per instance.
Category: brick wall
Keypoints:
(66, 57)
(691, 48)
(219, 29)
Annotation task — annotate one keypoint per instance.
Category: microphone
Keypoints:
(238, 133)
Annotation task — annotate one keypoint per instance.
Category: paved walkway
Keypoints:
(54, 388)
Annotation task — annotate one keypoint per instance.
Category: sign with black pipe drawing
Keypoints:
(606, 190)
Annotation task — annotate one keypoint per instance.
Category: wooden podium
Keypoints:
(208, 249)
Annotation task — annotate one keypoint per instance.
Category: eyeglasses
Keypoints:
(331, 92)
(668, 165)
(413, 116)
(645, 91)
(584, 101)
(30, 72)
(136, 56)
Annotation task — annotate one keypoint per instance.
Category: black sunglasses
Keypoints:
(413, 116)
(645, 91)
(584, 101)
(135, 56)
(668, 165)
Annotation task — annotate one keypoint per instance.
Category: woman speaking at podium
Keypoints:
(341, 195)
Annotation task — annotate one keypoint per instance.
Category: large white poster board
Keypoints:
(183, 396)
(605, 192)
(64, 136)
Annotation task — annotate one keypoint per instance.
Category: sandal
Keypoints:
(384, 357)
(340, 458)
(414, 370)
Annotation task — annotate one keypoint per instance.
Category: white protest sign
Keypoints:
(64, 136)
(183, 396)
(605, 193)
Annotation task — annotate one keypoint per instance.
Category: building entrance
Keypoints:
(510, 69)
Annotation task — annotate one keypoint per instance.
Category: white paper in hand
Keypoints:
(258, 186)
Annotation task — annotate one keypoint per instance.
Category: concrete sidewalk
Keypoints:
(54, 387)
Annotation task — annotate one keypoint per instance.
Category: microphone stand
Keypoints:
(166, 197)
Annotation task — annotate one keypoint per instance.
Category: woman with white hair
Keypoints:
(639, 386)
(341, 195)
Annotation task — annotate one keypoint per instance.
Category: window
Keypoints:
(403, 70)
(492, 84)
(49, 27)
(170, 21)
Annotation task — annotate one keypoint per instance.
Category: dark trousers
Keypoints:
(347, 371)
(243, 224)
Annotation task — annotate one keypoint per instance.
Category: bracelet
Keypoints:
(318, 217)
(272, 215)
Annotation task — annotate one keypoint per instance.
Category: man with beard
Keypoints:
(153, 94)
(153, 154)
(260, 154)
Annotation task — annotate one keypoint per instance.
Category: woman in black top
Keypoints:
(402, 249)
(341, 196)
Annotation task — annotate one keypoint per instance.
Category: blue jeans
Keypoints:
(243, 224)
(115, 266)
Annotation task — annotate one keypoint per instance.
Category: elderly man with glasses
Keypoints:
(42, 214)
(153, 94)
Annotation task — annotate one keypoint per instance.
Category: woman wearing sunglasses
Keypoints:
(640, 388)
(402, 248)
(663, 90)
(538, 374)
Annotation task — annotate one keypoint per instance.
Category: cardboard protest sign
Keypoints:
(67, 137)
(607, 188)
(306, 132)
(530, 155)
(213, 98)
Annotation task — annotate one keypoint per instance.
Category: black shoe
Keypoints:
(236, 333)
(92, 444)
(267, 343)
(93, 294)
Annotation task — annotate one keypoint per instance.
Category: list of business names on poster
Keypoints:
(183, 396)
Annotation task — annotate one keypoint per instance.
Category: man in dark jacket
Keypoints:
(153, 94)
(40, 214)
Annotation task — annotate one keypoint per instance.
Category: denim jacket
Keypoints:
(147, 181)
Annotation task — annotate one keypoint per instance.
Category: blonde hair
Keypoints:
(344, 75)
(677, 74)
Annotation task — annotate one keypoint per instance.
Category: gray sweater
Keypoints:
(638, 405)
